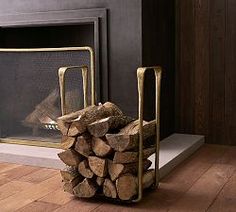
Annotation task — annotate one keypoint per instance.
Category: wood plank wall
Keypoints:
(206, 63)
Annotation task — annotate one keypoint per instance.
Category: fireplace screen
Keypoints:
(29, 92)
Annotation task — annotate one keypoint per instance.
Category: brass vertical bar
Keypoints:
(140, 75)
(158, 72)
(85, 85)
(61, 75)
(141, 78)
(92, 80)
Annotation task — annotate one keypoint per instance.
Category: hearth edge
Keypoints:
(174, 149)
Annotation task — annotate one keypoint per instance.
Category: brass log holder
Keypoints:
(140, 77)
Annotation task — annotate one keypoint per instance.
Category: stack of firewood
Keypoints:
(101, 152)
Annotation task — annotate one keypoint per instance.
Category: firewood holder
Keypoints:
(141, 86)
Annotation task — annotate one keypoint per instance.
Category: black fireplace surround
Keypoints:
(124, 35)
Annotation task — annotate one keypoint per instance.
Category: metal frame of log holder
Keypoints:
(141, 78)
(61, 74)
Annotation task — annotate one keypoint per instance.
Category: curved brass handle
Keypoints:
(62, 70)
(141, 76)
(61, 75)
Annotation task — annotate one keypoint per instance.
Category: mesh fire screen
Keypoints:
(29, 92)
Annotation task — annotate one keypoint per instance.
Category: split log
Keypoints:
(100, 147)
(84, 169)
(67, 142)
(128, 137)
(63, 126)
(115, 170)
(91, 114)
(70, 157)
(76, 128)
(130, 157)
(65, 121)
(127, 185)
(69, 185)
(71, 116)
(83, 145)
(69, 173)
(101, 127)
(100, 181)
(98, 166)
(109, 189)
(85, 189)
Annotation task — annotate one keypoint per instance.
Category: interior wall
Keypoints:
(206, 77)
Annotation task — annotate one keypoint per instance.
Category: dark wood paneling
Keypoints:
(230, 73)
(209, 78)
(201, 72)
(217, 71)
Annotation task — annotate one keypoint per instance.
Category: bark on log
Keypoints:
(86, 189)
(112, 109)
(70, 157)
(83, 145)
(128, 137)
(67, 142)
(127, 185)
(69, 173)
(84, 169)
(109, 189)
(87, 116)
(100, 127)
(98, 166)
(64, 122)
(115, 170)
(100, 147)
(69, 185)
(131, 157)
(100, 181)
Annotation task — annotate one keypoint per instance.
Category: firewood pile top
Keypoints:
(101, 152)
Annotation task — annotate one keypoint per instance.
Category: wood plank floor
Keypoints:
(204, 182)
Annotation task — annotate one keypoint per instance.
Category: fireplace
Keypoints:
(31, 54)
(124, 34)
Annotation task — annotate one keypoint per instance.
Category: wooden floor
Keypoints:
(204, 182)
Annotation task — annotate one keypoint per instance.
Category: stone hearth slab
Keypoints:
(174, 149)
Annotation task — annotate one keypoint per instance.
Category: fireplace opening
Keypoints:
(47, 36)
(30, 100)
